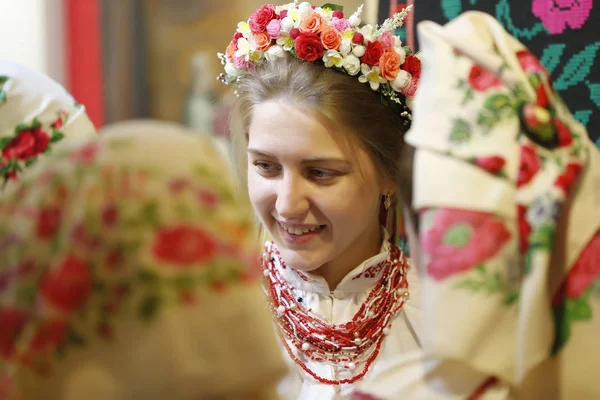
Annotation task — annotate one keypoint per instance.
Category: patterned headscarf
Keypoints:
(36, 116)
(507, 188)
(128, 271)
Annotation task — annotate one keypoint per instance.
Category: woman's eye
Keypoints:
(265, 167)
(321, 174)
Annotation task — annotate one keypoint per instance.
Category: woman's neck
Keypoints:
(364, 247)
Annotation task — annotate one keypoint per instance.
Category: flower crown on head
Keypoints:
(324, 35)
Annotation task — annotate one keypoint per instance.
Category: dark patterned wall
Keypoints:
(564, 34)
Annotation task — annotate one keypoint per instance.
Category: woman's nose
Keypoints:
(292, 199)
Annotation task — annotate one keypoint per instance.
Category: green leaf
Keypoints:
(498, 103)
(578, 67)
(30, 162)
(149, 307)
(35, 123)
(552, 55)
(583, 116)
(22, 127)
(594, 93)
(333, 7)
(488, 119)
(461, 131)
(579, 309)
(511, 297)
(4, 142)
(451, 8)
(56, 137)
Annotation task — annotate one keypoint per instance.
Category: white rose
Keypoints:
(351, 64)
(287, 24)
(274, 52)
(304, 8)
(359, 50)
(401, 80)
(346, 47)
(401, 52)
(231, 70)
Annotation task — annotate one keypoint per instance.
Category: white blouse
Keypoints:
(339, 306)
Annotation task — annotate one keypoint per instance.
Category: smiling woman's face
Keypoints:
(318, 200)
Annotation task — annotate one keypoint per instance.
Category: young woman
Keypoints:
(319, 142)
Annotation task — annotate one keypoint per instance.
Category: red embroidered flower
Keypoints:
(585, 270)
(68, 285)
(309, 47)
(85, 155)
(373, 52)
(12, 321)
(565, 138)
(260, 19)
(492, 164)
(50, 334)
(524, 228)
(481, 79)
(459, 240)
(27, 144)
(412, 65)
(568, 178)
(48, 222)
(184, 245)
(530, 63)
(529, 166)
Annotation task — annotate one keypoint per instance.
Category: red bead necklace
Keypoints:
(353, 345)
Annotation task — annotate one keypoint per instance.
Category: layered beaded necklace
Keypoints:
(351, 346)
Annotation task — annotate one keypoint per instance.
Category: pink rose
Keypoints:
(260, 19)
(341, 24)
(557, 14)
(274, 28)
(460, 240)
(387, 40)
(241, 63)
(585, 270)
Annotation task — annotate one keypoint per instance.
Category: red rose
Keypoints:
(373, 52)
(524, 228)
(481, 79)
(568, 178)
(529, 166)
(26, 144)
(68, 285)
(412, 65)
(48, 222)
(260, 19)
(12, 321)
(565, 138)
(585, 270)
(184, 245)
(492, 164)
(309, 47)
(460, 240)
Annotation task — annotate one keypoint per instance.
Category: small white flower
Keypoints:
(351, 64)
(332, 58)
(346, 47)
(359, 50)
(371, 75)
(287, 24)
(402, 79)
(324, 12)
(243, 27)
(355, 18)
(243, 48)
(304, 8)
(286, 42)
(274, 52)
(231, 70)
(401, 52)
(295, 15)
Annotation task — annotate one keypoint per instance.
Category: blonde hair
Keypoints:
(338, 97)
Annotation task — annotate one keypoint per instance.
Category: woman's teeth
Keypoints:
(299, 231)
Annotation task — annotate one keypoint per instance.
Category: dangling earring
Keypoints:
(387, 202)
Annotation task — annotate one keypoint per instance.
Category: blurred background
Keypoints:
(133, 59)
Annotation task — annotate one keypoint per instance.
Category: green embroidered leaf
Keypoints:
(149, 307)
(542, 237)
(595, 93)
(488, 119)
(333, 7)
(22, 127)
(551, 56)
(579, 309)
(583, 116)
(562, 330)
(578, 67)
(504, 17)
(511, 297)
(56, 137)
(461, 132)
(35, 123)
(4, 142)
(498, 103)
(451, 8)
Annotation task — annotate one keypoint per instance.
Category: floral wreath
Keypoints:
(325, 36)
